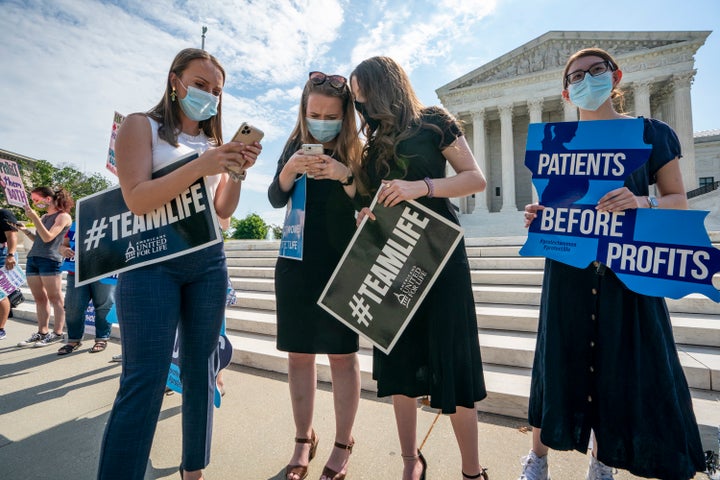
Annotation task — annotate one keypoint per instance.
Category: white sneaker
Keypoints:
(34, 338)
(599, 471)
(534, 467)
(117, 358)
(50, 338)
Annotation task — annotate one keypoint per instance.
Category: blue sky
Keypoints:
(67, 65)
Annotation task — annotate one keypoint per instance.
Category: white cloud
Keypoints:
(423, 34)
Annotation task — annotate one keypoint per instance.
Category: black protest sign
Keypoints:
(387, 269)
(111, 239)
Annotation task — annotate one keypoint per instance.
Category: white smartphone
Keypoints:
(312, 149)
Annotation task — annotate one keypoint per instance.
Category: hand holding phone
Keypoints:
(248, 135)
(312, 149)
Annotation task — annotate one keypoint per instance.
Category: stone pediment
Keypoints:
(551, 50)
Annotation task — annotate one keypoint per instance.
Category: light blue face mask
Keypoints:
(198, 104)
(323, 130)
(591, 92)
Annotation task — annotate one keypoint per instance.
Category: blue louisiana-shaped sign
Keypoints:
(665, 253)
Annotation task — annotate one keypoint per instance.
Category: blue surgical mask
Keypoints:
(198, 104)
(323, 130)
(591, 92)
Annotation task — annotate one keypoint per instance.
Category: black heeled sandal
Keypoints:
(420, 457)
(302, 470)
(483, 474)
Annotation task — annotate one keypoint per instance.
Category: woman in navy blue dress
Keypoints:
(408, 149)
(605, 360)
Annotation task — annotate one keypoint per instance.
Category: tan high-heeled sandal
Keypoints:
(302, 470)
(332, 474)
(420, 457)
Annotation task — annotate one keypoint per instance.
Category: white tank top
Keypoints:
(163, 153)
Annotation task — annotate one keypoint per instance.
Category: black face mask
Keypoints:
(372, 123)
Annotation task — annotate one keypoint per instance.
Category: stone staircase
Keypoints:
(507, 295)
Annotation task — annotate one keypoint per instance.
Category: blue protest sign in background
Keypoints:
(654, 252)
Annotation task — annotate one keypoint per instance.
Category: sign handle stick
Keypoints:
(430, 429)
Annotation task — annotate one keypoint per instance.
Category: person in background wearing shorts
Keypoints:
(44, 259)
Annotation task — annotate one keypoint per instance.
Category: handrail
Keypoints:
(704, 189)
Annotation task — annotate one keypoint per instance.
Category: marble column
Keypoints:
(535, 113)
(478, 118)
(684, 128)
(570, 111)
(641, 91)
(508, 159)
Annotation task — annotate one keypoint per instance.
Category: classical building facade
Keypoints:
(497, 101)
(707, 157)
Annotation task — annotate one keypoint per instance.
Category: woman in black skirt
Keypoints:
(326, 116)
(408, 149)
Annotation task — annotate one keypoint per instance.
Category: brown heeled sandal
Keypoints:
(483, 474)
(332, 474)
(302, 470)
(420, 457)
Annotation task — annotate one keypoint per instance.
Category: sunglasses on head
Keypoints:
(335, 81)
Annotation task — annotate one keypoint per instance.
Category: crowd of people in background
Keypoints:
(401, 151)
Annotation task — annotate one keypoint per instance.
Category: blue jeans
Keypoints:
(188, 294)
(76, 302)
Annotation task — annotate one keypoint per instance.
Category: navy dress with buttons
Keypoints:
(606, 360)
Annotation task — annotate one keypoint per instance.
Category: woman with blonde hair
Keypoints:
(326, 116)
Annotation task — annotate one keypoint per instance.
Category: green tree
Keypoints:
(250, 227)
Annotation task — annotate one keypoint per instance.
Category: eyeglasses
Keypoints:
(335, 81)
(595, 69)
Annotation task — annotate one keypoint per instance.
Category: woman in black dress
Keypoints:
(326, 116)
(605, 360)
(438, 354)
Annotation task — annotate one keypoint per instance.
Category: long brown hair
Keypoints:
(391, 100)
(61, 198)
(167, 112)
(348, 146)
(616, 94)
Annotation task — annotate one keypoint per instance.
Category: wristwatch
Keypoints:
(652, 201)
(10, 255)
(348, 180)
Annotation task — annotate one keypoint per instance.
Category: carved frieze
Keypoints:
(554, 53)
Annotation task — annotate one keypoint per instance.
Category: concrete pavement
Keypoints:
(53, 411)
